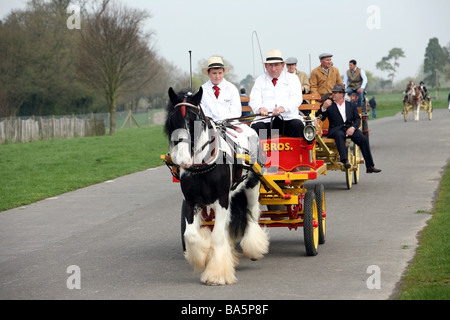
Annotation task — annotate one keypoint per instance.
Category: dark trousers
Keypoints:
(358, 138)
(289, 128)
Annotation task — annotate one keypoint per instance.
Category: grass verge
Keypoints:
(34, 171)
(428, 277)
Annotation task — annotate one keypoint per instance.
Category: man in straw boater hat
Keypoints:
(279, 93)
(221, 99)
(344, 122)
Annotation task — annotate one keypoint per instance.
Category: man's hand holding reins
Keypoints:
(277, 110)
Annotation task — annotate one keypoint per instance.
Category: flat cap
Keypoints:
(291, 60)
(325, 55)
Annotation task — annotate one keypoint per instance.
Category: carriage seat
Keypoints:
(324, 125)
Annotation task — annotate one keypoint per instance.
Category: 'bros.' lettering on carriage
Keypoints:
(277, 147)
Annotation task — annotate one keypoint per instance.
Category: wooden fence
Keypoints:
(46, 128)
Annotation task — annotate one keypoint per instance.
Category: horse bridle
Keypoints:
(210, 164)
(183, 106)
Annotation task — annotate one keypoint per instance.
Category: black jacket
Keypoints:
(335, 118)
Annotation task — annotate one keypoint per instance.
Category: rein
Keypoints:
(211, 163)
(270, 116)
(251, 117)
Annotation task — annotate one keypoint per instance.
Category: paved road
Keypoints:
(124, 234)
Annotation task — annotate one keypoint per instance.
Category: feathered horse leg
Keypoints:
(220, 265)
(416, 111)
(255, 242)
(198, 243)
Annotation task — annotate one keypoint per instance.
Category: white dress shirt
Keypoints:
(341, 108)
(287, 94)
(226, 106)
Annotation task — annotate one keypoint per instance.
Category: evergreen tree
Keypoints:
(434, 62)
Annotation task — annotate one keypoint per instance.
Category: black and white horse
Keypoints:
(210, 175)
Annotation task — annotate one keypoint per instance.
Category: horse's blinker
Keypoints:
(183, 109)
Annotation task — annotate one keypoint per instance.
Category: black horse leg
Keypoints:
(187, 214)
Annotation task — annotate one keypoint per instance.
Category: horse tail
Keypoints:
(238, 208)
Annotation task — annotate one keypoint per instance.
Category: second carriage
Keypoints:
(424, 104)
(326, 149)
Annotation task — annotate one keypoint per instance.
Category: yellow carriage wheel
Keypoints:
(405, 111)
(356, 165)
(430, 110)
(319, 192)
(349, 171)
(310, 224)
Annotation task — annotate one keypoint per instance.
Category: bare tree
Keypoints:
(36, 61)
(114, 54)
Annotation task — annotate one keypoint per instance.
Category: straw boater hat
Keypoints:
(274, 56)
(215, 62)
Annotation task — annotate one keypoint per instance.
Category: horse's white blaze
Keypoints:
(181, 152)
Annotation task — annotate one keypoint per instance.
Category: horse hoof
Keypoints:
(212, 284)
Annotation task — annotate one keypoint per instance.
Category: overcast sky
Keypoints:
(363, 30)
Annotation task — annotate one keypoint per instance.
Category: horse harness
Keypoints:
(220, 127)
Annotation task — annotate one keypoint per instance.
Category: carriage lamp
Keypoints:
(309, 132)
